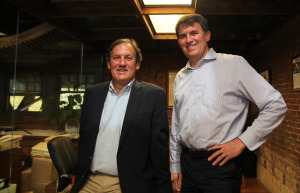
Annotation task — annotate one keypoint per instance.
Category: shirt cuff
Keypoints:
(175, 168)
(250, 140)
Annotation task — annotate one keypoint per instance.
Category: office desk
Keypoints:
(30, 138)
(33, 137)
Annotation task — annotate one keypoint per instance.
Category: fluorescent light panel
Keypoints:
(164, 23)
(167, 2)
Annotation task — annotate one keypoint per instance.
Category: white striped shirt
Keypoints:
(105, 155)
(211, 104)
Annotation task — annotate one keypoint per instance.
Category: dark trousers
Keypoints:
(199, 176)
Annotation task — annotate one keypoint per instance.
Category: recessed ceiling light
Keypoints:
(167, 2)
(164, 23)
(161, 16)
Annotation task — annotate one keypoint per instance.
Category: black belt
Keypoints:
(198, 154)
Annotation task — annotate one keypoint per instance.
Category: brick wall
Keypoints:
(279, 158)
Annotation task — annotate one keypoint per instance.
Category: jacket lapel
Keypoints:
(132, 107)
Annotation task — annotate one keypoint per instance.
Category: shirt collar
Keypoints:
(211, 55)
(126, 89)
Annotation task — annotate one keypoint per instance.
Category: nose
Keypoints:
(188, 38)
(122, 61)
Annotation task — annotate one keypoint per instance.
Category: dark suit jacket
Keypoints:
(143, 155)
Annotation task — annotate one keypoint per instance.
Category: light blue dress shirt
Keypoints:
(105, 154)
(211, 103)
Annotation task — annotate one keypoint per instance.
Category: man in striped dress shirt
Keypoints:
(211, 100)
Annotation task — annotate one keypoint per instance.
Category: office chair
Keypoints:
(64, 157)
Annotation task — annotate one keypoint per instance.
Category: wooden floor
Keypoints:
(252, 185)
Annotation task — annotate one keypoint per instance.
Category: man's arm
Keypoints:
(252, 86)
(175, 151)
(269, 101)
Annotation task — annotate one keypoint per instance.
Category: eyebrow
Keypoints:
(191, 32)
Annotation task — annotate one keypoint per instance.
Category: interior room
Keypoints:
(52, 50)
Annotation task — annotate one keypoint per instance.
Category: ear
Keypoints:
(108, 64)
(137, 65)
(207, 36)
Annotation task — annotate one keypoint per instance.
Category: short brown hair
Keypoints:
(190, 19)
(138, 54)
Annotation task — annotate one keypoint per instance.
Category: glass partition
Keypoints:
(44, 73)
(10, 153)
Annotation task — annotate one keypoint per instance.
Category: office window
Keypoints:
(73, 85)
(24, 92)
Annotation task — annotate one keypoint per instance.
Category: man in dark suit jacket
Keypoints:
(137, 153)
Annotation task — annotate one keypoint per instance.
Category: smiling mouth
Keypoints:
(190, 46)
(122, 70)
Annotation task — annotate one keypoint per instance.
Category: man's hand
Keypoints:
(175, 182)
(227, 151)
